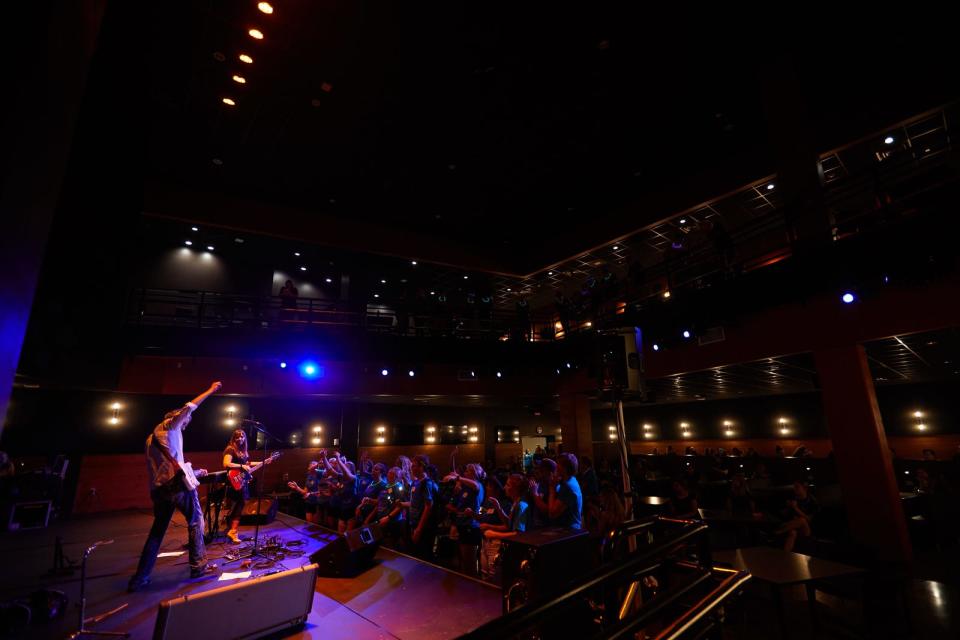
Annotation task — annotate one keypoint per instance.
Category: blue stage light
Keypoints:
(310, 370)
(283, 365)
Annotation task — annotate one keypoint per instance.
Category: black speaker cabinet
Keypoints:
(268, 511)
(542, 562)
(347, 555)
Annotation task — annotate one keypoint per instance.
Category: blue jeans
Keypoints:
(165, 502)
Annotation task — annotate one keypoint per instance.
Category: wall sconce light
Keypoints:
(231, 416)
(115, 413)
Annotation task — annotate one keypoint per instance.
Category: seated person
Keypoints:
(683, 503)
(798, 514)
(739, 500)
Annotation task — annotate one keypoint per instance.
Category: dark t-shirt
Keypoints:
(489, 514)
(389, 496)
(468, 498)
(521, 516)
(424, 492)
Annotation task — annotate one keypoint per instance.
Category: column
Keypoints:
(575, 424)
(864, 463)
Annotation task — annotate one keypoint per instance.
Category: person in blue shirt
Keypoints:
(420, 514)
(565, 502)
(371, 492)
(465, 507)
(389, 511)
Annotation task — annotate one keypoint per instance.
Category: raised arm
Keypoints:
(206, 394)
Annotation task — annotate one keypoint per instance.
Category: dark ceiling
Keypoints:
(526, 133)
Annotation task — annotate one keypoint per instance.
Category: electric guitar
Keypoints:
(239, 478)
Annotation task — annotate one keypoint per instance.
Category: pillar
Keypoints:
(575, 424)
(864, 463)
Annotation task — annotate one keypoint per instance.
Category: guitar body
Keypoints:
(238, 478)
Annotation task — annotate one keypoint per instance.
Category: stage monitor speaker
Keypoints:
(268, 511)
(349, 554)
(250, 609)
(542, 562)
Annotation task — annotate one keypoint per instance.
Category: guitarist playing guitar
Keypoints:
(237, 461)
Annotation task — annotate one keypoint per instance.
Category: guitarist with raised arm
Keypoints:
(173, 487)
(236, 461)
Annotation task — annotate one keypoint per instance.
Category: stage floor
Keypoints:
(400, 597)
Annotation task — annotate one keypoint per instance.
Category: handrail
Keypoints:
(727, 587)
(642, 562)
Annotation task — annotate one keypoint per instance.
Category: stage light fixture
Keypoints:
(683, 221)
(770, 187)
(296, 253)
(499, 374)
(310, 370)
(239, 79)
(245, 58)
(283, 365)
(384, 372)
(194, 229)
(918, 414)
(265, 7)
(411, 373)
(188, 243)
(230, 102)
(466, 277)
(209, 247)
(656, 347)
(848, 297)
(889, 140)
(376, 295)
(686, 333)
(256, 34)
(382, 281)
(666, 295)
(568, 365)
(328, 280)
(615, 247)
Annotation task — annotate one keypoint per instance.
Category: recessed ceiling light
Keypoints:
(383, 281)
(265, 7)
(303, 268)
(329, 280)
(245, 58)
(615, 247)
(466, 277)
(296, 253)
(433, 293)
(376, 295)
(683, 221)
(770, 187)
(239, 79)
(194, 229)
(188, 243)
(209, 247)
(889, 140)
(509, 289)
(256, 34)
(413, 262)
(229, 102)
(549, 273)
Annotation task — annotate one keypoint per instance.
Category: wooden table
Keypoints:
(780, 568)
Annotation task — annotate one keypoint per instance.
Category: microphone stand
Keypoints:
(83, 632)
(255, 551)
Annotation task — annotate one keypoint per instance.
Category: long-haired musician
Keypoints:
(235, 456)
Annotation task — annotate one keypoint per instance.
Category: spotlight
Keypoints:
(303, 268)
(310, 370)
(686, 334)
(265, 7)
(568, 365)
(194, 229)
(499, 375)
(615, 247)
(239, 79)
(209, 247)
(230, 102)
(918, 414)
(283, 365)
(466, 277)
(376, 295)
(656, 347)
(889, 140)
(848, 297)
(666, 295)
(683, 221)
(383, 281)
(413, 262)
(296, 253)
(188, 243)
(256, 34)
(328, 280)
(411, 373)
(770, 187)
(384, 372)
(245, 58)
